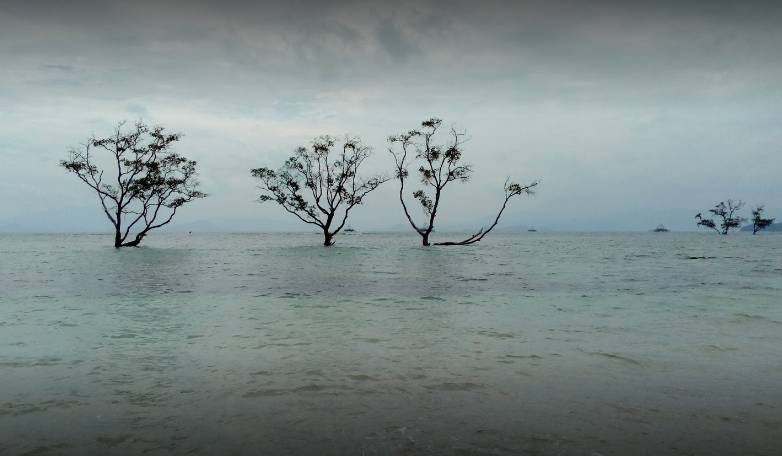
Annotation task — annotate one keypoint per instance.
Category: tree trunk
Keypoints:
(425, 239)
(328, 240)
(117, 238)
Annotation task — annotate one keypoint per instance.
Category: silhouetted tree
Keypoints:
(758, 222)
(439, 166)
(320, 186)
(144, 182)
(726, 212)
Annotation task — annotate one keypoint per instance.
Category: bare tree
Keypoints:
(726, 211)
(439, 165)
(758, 222)
(144, 182)
(319, 185)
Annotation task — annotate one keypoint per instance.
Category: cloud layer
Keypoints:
(632, 113)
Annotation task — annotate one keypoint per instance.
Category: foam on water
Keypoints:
(270, 344)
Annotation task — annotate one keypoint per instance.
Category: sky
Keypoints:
(630, 113)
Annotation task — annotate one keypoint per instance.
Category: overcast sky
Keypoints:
(630, 113)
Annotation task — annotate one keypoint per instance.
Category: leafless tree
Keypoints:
(439, 165)
(144, 182)
(726, 211)
(319, 185)
(758, 222)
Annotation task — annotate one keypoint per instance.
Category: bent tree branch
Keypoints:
(145, 181)
(511, 190)
(318, 185)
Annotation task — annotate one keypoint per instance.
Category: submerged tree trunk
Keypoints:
(119, 239)
(117, 231)
(133, 243)
(328, 240)
(425, 239)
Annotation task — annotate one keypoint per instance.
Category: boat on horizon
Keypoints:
(660, 229)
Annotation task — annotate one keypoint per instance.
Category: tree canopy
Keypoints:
(320, 184)
(759, 222)
(726, 212)
(143, 183)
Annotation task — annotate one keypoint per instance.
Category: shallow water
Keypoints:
(270, 344)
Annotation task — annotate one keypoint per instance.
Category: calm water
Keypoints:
(538, 343)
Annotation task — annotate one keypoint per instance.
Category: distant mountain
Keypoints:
(91, 220)
(772, 227)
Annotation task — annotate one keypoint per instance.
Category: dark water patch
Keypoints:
(317, 388)
(48, 449)
(533, 356)
(64, 324)
(454, 386)
(495, 334)
(754, 317)
(262, 373)
(362, 378)
(112, 441)
(17, 409)
(266, 392)
(42, 362)
(292, 295)
(614, 356)
(370, 340)
(291, 344)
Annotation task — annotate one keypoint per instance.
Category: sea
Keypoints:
(270, 344)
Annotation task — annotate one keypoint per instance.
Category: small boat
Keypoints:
(532, 229)
(350, 229)
(660, 229)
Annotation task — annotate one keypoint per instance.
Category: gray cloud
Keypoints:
(394, 42)
(641, 109)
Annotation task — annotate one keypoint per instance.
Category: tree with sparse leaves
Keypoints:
(726, 211)
(144, 182)
(439, 165)
(321, 184)
(760, 223)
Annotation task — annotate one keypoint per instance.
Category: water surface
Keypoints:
(538, 343)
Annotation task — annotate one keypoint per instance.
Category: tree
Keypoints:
(144, 182)
(439, 165)
(726, 211)
(758, 222)
(319, 185)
